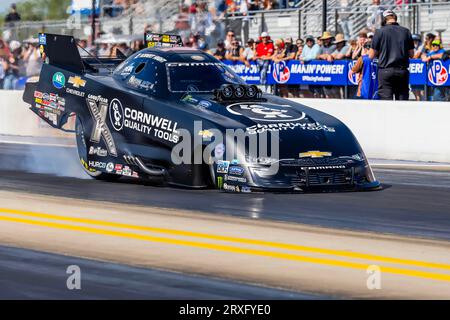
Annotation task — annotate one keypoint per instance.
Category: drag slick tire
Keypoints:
(83, 153)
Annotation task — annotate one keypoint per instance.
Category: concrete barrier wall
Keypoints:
(416, 131)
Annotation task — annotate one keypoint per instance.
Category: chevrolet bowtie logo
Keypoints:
(315, 154)
(77, 82)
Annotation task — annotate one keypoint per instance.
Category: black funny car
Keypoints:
(133, 113)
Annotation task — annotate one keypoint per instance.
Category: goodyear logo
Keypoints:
(315, 154)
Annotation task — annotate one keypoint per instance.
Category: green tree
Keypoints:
(38, 10)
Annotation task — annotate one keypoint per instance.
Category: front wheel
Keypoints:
(83, 152)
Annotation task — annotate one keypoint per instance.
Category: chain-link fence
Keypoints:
(349, 20)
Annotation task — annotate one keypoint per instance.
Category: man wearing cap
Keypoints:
(327, 47)
(341, 47)
(310, 51)
(221, 51)
(394, 46)
(264, 52)
(249, 52)
(290, 49)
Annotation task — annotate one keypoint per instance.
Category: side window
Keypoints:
(142, 75)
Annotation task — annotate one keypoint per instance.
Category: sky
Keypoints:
(4, 4)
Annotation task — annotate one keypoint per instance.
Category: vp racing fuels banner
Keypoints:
(323, 73)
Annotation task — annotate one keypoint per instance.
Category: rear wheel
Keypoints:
(80, 135)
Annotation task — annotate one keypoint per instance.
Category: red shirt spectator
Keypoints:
(264, 48)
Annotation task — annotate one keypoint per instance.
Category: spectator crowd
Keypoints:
(198, 24)
(327, 47)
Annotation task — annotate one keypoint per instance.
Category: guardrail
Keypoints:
(337, 73)
(402, 130)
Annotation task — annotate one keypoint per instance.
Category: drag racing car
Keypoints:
(165, 114)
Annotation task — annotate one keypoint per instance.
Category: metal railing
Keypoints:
(299, 22)
(161, 15)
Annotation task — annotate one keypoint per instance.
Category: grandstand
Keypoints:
(302, 20)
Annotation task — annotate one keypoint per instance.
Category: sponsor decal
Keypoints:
(97, 164)
(86, 165)
(194, 64)
(116, 114)
(323, 168)
(98, 98)
(101, 130)
(220, 182)
(236, 171)
(52, 102)
(43, 39)
(198, 58)
(134, 82)
(41, 49)
(110, 167)
(281, 73)
(266, 112)
(75, 92)
(59, 80)
(235, 162)
(235, 179)
(151, 56)
(98, 151)
(77, 82)
(147, 85)
(127, 171)
(352, 76)
(127, 70)
(223, 166)
(231, 188)
(118, 167)
(135, 175)
(204, 104)
(438, 73)
(206, 134)
(50, 116)
(314, 126)
(143, 122)
(219, 150)
(315, 154)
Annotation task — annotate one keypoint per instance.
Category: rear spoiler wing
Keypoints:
(62, 51)
(162, 40)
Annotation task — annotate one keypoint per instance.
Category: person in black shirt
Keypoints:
(220, 50)
(13, 15)
(394, 46)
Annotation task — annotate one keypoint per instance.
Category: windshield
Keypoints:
(199, 76)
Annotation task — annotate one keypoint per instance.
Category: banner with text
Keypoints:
(323, 73)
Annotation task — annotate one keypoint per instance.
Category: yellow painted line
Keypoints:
(226, 248)
(340, 253)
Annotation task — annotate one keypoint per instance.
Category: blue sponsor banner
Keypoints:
(417, 72)
(250, 75)
(438, 73)
(337, 73)
(312, 73)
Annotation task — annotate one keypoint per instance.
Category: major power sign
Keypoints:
(336, 73)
